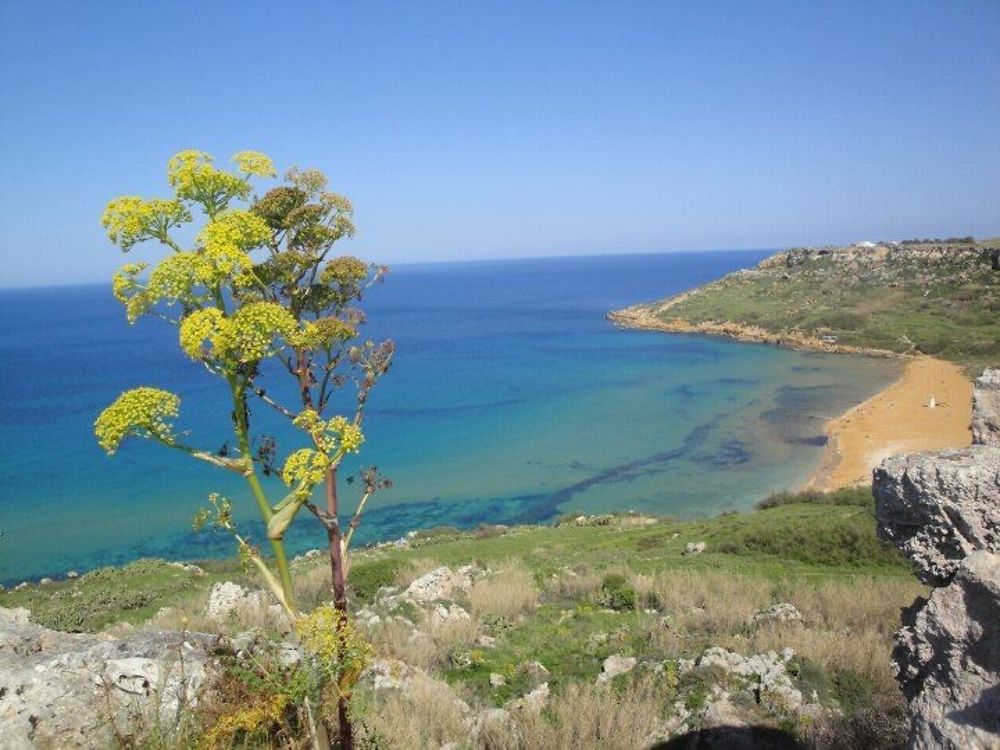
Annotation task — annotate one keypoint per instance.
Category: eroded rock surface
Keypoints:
(77, 690)
(940, 507)
(948, 654)
(986, 408)
(943, 511)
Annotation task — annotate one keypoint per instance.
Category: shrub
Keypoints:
(847, 496)
(368, 577)
(852, 691)
(617, 593)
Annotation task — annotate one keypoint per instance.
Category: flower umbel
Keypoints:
(141, 412)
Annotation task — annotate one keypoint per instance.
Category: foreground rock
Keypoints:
(947, 653)
(940, 507)
(943, 511)
(79, 691)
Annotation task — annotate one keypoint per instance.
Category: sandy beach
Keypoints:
(898, 420)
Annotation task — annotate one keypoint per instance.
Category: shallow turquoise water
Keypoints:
(511, 400)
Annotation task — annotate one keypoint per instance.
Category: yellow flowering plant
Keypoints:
(259, 284)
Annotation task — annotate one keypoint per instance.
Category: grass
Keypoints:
(947, 307)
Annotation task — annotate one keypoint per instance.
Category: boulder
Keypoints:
(694, 548)
(77, 690)
(616, 665)
(940, 507)
(230, 600)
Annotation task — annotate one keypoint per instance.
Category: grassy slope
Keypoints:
(794, 540)
(902, 302)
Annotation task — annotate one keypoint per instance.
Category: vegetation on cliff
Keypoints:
(937, 299)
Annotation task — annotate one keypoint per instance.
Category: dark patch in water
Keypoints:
(814, 440)
(733, 452)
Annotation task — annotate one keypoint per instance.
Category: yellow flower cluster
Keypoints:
(235, 228)
(306, 466)
(254, 329)
(255, 163)
(329, 435)
(335, 644)
(193, 177)
(198, 327)
(248, 336)
(260, 716)
(322, 333)
(130, 219)
(124, 283)
(142, 412)
(224, 262)
(350, 434)
(175, 276)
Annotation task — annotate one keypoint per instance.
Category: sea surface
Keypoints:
(511, 400)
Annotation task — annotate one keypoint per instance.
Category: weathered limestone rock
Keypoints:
(74, 690)
(943, 511)
(780, 612)
(616, 665)
(986, 408)
(230, 600)
(940, 507)
(768, 675)
(948, 653)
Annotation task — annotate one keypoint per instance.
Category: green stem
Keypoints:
(242, 436)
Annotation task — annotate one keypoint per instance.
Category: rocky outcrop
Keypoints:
(79, 691)
(948, 654)
(986, 408)
(940, 507)
(943, 511)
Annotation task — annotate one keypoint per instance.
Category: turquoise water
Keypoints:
(511, 400)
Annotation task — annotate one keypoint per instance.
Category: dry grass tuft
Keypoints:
(434, 646)
(426, 714)
(504, 594)
(585, 716)
(577, 582)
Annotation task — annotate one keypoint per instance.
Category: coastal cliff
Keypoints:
(888, 299)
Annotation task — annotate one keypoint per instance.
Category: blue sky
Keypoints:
(483, 130)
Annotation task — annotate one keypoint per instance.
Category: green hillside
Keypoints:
(942, 300)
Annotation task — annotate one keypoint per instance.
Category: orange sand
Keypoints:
(898, 420)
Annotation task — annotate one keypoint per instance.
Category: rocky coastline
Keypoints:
(642, 317)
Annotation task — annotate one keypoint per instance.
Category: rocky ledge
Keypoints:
(70, 690)
(943, 511)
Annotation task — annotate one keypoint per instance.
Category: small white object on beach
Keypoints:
(932, 404)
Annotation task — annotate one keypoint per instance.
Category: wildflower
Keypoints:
(254, 163)
(141, 412)
(305, 467)
(130, 219)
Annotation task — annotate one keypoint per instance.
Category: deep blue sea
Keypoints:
(511, 400)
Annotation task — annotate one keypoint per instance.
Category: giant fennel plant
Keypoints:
(260, 284)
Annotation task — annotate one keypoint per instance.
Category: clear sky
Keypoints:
(507, 129)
